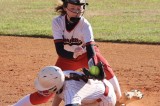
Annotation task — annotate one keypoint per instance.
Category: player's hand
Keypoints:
(78, 51)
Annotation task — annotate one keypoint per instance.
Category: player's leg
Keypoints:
(110, 98)
(107, 101)
(72, 64)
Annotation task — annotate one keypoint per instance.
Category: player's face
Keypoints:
(74, 10)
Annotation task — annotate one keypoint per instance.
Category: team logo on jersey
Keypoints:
(72, 41)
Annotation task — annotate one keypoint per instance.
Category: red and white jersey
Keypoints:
(78, 36)
(86, 93)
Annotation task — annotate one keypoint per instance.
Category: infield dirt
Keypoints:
(136, 66)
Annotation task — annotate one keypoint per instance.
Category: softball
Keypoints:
(94, 70)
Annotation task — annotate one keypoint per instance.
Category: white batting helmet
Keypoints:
(50, 77)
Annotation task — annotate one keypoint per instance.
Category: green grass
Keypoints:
(112, 20)
(132, 20)
(26, 17)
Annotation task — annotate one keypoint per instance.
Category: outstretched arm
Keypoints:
(115, 84)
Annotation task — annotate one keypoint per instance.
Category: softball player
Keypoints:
(74, 41)
(75, 46)
(51, 79)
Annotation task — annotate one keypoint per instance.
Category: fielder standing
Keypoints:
(74, 41)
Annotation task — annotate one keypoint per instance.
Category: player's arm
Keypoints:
(61, 51)
(56, 101)
(90, 49)
(91, 54)
(115, 84)
(89, 41)
(93, 61)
